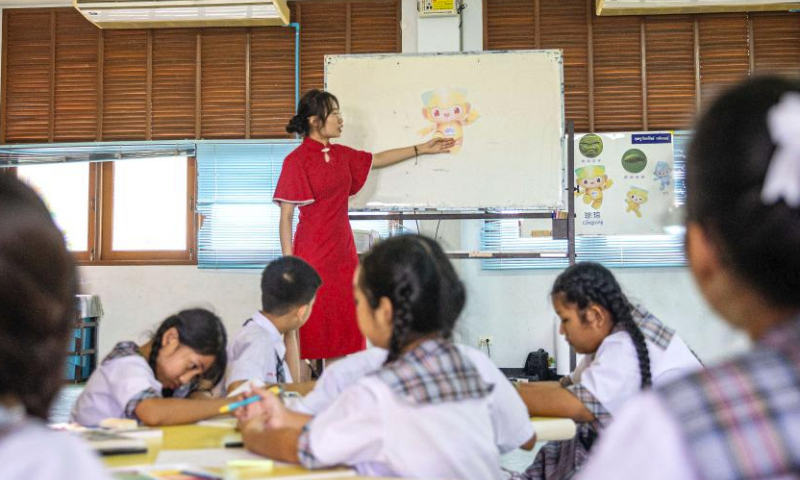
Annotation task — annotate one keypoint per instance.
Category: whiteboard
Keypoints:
(510, 156)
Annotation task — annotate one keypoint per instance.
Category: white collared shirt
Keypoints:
(254, 353)
(509, 416)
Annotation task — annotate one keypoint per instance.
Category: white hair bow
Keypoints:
(783, 176)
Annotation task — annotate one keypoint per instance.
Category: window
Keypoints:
(239, 227)
(134, 211)
(611, 250)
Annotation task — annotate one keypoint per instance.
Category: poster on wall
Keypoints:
(624, 182)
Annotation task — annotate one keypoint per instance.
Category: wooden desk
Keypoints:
(193, 437)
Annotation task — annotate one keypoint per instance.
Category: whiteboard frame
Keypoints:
(557, 204)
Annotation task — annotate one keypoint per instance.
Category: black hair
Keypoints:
(587, 282)
(38, 283)
(726, 165)
(313, 103)
(287, 283)
(414, 273)
(200, 330)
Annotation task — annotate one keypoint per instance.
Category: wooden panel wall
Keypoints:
(644, 72)
(64, 80)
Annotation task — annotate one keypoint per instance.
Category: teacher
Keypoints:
(318, 177)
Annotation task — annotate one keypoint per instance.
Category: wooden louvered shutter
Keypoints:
(563, 25)
(223, 85)
(323, 31)
(124, 85)
(617, 73)
(174, 84)
(27, 76)
(509, 24)
(776, 43)
(724, 57)
(670, 63)
(76, 78)
(374, 27)
(271, 81)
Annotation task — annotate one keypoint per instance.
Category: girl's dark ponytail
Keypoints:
(403, 315)
(298, 125)
(588, 282)
(313, 103)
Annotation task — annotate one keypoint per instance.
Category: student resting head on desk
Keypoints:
(258, 352)
(739, 419)
(626, 350)
(425, 413)
(38, 283)
(163, 382)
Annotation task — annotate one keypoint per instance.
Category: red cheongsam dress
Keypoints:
(324, 239)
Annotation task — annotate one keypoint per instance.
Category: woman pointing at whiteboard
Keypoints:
(318, 177)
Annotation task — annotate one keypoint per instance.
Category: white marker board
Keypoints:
(506, 107)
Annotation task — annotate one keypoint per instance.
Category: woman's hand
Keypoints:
(436, 145)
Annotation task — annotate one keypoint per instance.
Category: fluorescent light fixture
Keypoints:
(654, 7)
(183, 13)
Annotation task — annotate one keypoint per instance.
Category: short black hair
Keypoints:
(287, 283)
(38, 283)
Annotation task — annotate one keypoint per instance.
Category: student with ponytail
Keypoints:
(427, 412)
(163, 382)
(739, 419)
(626, 350)
(318, 177)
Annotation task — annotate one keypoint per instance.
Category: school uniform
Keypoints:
(257, 352)
(605, 381)
(738, 420)
(425, 415)
(31, 450)
(122, 381)
(509, 415)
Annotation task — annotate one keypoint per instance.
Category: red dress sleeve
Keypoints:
(293, 185)
(360, 163)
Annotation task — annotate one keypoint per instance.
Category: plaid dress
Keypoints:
(741, 419)
(563, 459)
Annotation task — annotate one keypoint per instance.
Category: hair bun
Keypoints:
(296, 125)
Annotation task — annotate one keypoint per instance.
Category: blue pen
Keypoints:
(241, 403)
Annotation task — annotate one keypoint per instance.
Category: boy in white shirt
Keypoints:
(258, 352)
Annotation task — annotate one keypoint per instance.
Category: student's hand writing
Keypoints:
(437, 145)
(270, 409)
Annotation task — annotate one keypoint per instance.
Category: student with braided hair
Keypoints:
(426, 413)
(163, 382)
(739, 419)
(626, 350)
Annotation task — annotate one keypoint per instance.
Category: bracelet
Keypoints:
(415, 151)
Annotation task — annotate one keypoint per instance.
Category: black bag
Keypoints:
(536, 365)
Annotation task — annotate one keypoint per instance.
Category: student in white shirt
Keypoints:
(627, 349)
(166, 381)
(425, 413)
(512, 428)
(38, 283)
(258, 352)
(739, 419)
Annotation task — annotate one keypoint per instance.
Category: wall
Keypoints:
(512, 306)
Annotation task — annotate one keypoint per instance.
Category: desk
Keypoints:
(193, 437)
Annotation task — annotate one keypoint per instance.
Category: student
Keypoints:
(626, 350)
(425, 413)
(151, 382)
(318, 177)
(38, 283)
(512, 428)
(740, 419)
(288, 288)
